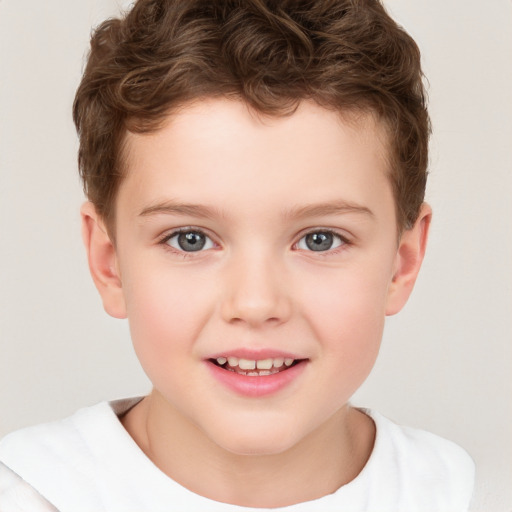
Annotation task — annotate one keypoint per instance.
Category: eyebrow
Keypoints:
(173, 208)
(298, 212)
(328, 208)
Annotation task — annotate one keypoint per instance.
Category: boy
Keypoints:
(255, 173)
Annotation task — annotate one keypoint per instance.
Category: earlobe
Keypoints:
(102, 258)
(409, 258)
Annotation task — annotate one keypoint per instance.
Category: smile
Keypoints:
(255, 367)
(256, 377)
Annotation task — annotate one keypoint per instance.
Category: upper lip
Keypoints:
(256, 354)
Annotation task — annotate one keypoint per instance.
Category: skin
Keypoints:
(256, 285)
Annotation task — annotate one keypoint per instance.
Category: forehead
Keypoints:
(221, 118)
(221, 150)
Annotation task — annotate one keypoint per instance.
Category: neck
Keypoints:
(329, 457)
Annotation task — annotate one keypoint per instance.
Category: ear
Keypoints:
(409, 257)
(103, 265)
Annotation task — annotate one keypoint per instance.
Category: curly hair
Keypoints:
(347, 55)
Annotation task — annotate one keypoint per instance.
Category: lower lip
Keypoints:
(252, 386)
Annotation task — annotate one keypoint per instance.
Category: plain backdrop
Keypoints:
(446, 360)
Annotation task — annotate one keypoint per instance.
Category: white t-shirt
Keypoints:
(88, 462)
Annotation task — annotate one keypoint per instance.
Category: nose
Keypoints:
(255, 292)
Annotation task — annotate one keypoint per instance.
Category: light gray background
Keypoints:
(446, 359)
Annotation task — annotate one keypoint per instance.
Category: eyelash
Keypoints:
(345, 242)
(190, 254)
(184, 254)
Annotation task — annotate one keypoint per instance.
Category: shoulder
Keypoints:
(427, 468)
(62, 458)
(55, 441)
(60, 439)
(16, 495)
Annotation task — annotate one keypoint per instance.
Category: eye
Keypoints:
(320, 241)
(189, 241)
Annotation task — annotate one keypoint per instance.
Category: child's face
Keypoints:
(287, 250)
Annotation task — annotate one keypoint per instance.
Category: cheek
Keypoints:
(346, 301)
(347, 315)
(166, 312)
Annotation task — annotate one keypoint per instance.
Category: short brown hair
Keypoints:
(343, 54)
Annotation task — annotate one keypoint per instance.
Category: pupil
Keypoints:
(319, 241)
(191, 241)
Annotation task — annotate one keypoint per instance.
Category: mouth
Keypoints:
(256, 375)
(255, 367)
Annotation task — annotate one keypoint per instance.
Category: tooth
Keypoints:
(221, 360)
(233, 361)
(246, 364)
(264, 364)
(288, 362)
(252, 374)
(265, 372)
(278, 362)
